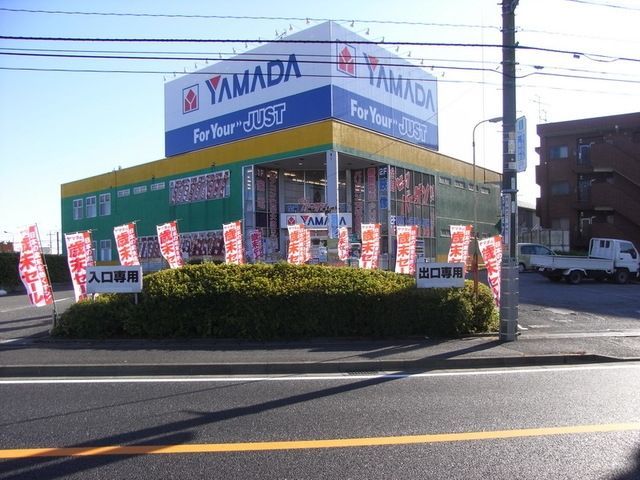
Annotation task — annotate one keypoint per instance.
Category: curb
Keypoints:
(277, 368)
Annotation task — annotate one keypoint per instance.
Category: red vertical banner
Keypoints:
(343, 243)
(233, 246)
(370, 256)
(406, 252)
(257, 249)
(127, 244)
(169, 241)
(297, 243)
(32, 269)
(460, 240)
(79, 257)
(491, 250)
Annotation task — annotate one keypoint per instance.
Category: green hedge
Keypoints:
(10, 279)
(281, 301)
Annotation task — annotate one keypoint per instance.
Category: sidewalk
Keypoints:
(47, 357)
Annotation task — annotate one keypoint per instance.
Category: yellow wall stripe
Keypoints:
(314, 444)
(323, 134)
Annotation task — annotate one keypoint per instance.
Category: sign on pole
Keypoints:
(439, 275)
(114, 279)
(521, 144)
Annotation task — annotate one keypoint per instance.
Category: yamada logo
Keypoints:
(190, 100)
(261, 77)
(346, 59)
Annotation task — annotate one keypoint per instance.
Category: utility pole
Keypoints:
(509, 291)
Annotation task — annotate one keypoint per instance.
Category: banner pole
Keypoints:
(46, 271)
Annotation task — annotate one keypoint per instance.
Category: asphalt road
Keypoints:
(590, 307)
(537, 423)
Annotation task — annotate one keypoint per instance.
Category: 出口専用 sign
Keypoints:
(439, 275)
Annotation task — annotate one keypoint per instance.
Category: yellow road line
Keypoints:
(313, 444)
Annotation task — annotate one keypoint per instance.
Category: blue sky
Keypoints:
(60, 126)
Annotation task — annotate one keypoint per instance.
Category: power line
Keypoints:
(609, 5)
(249, 17)
(591, 56)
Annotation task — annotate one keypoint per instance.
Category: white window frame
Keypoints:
(91, 207)
(105, 250)
(105, 204)
(78, 209)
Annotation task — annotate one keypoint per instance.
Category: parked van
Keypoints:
(525, 250)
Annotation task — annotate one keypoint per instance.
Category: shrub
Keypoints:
(283, 301)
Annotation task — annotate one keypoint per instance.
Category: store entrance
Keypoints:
(319, 246)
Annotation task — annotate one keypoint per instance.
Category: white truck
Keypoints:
(612, 259)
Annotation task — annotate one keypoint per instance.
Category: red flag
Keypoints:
(343, 243)
(370, 245)
(127, 244)
(491, 250)
(233, 246)
(169, 241)
(79, 257)
(406, 250)
(32, 269)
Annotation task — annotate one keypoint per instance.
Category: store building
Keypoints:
(589, 178)
(321, 126)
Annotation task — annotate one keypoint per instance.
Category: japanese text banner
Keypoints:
(233, 249)
(297, 245)
(406, 252)
(127, 244)
(257, 249)
(32, 269)
(460, 240)
(370, 254)
(169, 241)
(79, 257)
(343, 243)
(491, 250)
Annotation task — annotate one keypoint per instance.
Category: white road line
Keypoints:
(24, 307)
(336, 377)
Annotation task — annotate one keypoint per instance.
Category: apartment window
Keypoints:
(445, 181)
(561, 151)
(458, 183)
(124, 193)
(139, 190)
(560, 188)
(157, 186)
(485, 190)
(91, 207)
(105, 204)
(445, 232)
(105, 250)
(77, 209)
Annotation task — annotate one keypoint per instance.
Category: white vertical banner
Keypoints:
(169, 241)
(370, 256)
(79, 257)
(343, 243)
(127, 244)
(233, 245)
(407, 236)
(460, 240)
(297, 242)
(491, 250)
(32, 268)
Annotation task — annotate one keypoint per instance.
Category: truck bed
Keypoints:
(570, 262)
